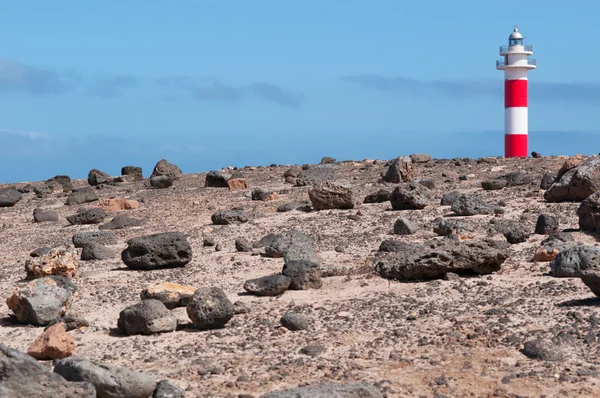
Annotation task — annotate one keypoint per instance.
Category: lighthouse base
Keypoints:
(515, 145)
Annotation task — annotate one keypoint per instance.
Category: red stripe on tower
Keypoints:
(515, 65)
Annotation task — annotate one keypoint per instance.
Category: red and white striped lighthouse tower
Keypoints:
(515, 65)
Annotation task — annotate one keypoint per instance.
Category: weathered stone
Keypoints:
(24, 377)
(412, 198)
(445, 227)
(304, 274)
(87, 216)
(241, 308)
(95, 251)
(226, 217)
(164, 168)
(328, 160)
(544, 350)
(97, 177)
(469, 206)
(383, 195)
(147, 317)
(577, 183)
(272, 285)
(118, 204)
(172, 295)
(349, 390)
(236, 184)
(62, 180)
(81, 239)
(161, 181)
(393, 246)
(552, 246)
(120, 222)
(516, 235)
(132, 171)
(328, 195)
(217, 179)
(401, 170)
(53, 343)
(546, 224)
(110, 381)
(293, 172)
(9, 197)
(547, 180)
(40, 215)
(42, 300)
(571, 261)
(435, 258)
(513, 179)
(163, 250)
(571, 163)
(449, 198)
(402, 226)
(70, 322)
(589, 213)
(166, 389)
(40, 251)
(296, 205)
(314, 174)
(420, 158)
(263, 195)
(294, 321)
(536, 155)
(57, 261)
(81, 196)
(243, 245)
(210, 308)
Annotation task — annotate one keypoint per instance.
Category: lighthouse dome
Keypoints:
(515, 35)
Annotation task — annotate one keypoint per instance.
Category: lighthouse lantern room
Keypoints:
(515, 64)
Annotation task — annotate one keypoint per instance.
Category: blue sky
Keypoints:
(208, 84)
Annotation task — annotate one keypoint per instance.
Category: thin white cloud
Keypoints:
(32, 135)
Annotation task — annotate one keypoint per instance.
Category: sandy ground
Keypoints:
(451, 338)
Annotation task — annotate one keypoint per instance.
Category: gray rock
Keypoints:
(314, 174)
(450, 197)
(427, 183)
(402, 226)
(420, 158)
(300, 246)
(572, 261)
(210, 308)
(592, 280)
(241, 308)
(166, 389)
(9, 197)
(541, 349)
(39, 252)
(401, 170)
(296, 205)
(87, 216)
(328, 195)
(226, 217)
(81, 239)
(412, 198)
(304, 274)
(120, 222)
(436, 258)
(381, 196)
(81, 196)
(163, 250)
(243, 245)
(95, 251)
(516, 235)
(97, 177)
(164, 168)
(70, 323)
(546, 224)
(589, 213)
(313, 350)
(328, 160)
(40, 215)
(293, 172)
(271, 285)
(576, 184)
(62, 180)
(24, 377)
(42, 300)
(547, 180)
(161, 182)
(110, 381)
(350, 390)
(294, 321)
(443, 227)
(468, 205)
(260, 194)
(217, 179)
(209, 241)
(513, 179)
(147, 317)
(133, 171)
(393, 246)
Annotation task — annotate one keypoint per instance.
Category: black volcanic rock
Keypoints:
(576, 184)
(9, 197)
(163, 250)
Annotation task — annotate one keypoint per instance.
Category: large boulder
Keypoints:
(210, 308)
(147, 317)
(589, 213)
(80, 196)
(304, 275)
(571, 261)
(328, 195)
(132, 171)
(22, 376)
(434, 259)
(163, 250)
(411, 198)
(110, 381)
(97, 177)
(165, 168)
(349, 390)
(468, 205)
(217, 179)
(576, 184)
(63, 181)
(161, 181)
(401, 170)
(271, 285)
(41, 215)
(9, 197)
(226, 217)
(42, 300)
(547, 224)
(57, 261)
(314, 174)
(87, 216)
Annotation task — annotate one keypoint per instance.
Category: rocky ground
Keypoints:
(512, 331)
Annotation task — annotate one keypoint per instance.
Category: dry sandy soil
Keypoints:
(459, 338)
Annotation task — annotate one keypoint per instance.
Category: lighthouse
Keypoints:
(515, 64)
